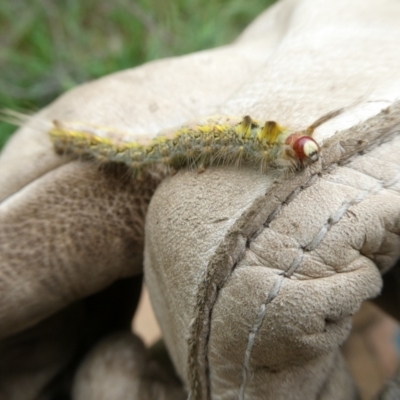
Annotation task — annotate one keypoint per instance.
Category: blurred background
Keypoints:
(48, 47)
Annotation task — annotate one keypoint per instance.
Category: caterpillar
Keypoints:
(219, 140)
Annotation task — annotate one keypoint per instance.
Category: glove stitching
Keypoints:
(254, 331)
(336, 155)
(273, 293)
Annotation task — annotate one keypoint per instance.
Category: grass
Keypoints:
(47, 46)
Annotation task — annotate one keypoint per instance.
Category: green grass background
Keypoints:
(48, 46)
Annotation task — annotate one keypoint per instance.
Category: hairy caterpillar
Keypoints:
(215, 141)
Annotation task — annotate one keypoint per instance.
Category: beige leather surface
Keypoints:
(268, 281)
(253, 277)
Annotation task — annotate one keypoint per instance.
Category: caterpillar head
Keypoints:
(305, 148)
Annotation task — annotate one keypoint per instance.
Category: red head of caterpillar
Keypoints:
(305, 147)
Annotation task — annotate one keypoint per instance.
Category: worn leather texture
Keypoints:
(254, 277)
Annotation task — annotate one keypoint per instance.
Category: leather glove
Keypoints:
(254, 277)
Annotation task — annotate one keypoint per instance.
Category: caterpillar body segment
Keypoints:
(215, 141)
